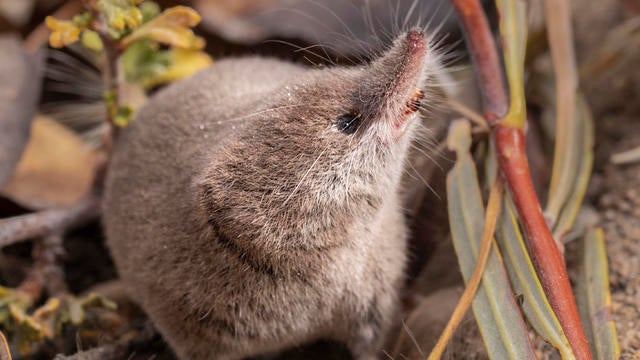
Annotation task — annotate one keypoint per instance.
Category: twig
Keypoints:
(48, 222)
(468, 113)
(490, 219)
(482, 48)
(48, 253)
(626, 157)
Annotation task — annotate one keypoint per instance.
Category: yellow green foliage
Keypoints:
(136, 29)
(172, 27)
(145, 64)
(120, 14)
(91, 40)
(26, 331)
(63, 32)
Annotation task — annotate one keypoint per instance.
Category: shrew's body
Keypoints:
(255, 206)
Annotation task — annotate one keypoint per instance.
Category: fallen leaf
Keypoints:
(56, 169)
(20, 82)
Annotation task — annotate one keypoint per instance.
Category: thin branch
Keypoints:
(468, 113)
(48, 254)
(46, 272)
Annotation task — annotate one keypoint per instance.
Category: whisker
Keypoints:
(305, 176)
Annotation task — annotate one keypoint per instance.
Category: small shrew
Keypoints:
(413, 104)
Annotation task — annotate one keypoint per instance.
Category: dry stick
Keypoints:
(23, 227)
(47, 268)
(490, 219)
(468, 113)
(513, 163)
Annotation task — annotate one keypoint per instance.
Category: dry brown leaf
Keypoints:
(56, 169)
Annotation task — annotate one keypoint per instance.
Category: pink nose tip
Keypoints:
(415, 39)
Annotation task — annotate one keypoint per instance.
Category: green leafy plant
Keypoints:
(534, 258)
(135, 38)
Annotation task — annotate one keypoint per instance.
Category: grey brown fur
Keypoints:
(244, 222)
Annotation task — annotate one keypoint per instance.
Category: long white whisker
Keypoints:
(304, 176)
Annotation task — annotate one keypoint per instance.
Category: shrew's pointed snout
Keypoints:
(416, 40)
(398, 71)
(393, 84)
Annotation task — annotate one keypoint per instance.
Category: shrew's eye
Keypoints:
(348, 123)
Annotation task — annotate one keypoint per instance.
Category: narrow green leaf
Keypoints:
(584, 134)
(578, 161)
(526, 283)
(566, 149)
(594, 298)
(496, 311)
(522, 274)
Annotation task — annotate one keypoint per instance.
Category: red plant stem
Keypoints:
(488, 67)
(513, 164)
(549, 263)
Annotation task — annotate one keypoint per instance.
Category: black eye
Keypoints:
(348, 123)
